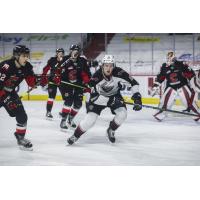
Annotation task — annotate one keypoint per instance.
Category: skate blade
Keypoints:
(68, 145)
(158, 119)
(111, 141)
(72, 128)
(197, 119)
(64, 130)
(25, 149)
(49, 119)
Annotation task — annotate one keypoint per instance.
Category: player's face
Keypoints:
(107, 68)
(74, 54)
(23, 59)
(60, 56)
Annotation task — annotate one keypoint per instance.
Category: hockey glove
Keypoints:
(56, 80)
(137, 101)
(44, 80)
(87, 89)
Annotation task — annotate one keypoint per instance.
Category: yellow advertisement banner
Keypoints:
(141, 39)
(35, 55)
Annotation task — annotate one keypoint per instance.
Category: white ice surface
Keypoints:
(140, 140)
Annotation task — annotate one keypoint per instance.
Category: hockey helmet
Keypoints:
(75, 51)
(108, 59)
(170, 57)
(20, 49)
(74, 47)
(60, 50)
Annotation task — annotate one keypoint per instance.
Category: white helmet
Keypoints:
(108, 59)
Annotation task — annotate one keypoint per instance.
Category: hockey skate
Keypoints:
(111, 135)
(72, 140)
(197, 119)
(63, 125)
(49, 116)
(186, 110)
(23, 143)
(160, 116)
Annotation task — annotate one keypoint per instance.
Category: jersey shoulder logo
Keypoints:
(5, 66)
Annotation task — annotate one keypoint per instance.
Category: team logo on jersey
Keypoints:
(107, 87)
(5, 67)
(11, 81)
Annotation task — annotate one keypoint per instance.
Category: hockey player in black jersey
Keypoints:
(106, 85)
(12, 73)
(53, 79)
(75, 73)
(177, 76)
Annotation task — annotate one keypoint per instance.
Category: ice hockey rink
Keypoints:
(140, 140)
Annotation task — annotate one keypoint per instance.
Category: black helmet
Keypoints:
(75, 47)
(19, 49)
(60, 50)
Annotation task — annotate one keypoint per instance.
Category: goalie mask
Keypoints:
(170, 57)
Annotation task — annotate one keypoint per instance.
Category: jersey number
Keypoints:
(2, 77)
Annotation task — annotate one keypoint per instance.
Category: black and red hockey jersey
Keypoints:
(76, 72)
(176, 75)
(54, 66)
(11, 76)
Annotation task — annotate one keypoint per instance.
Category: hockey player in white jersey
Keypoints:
(105, 87)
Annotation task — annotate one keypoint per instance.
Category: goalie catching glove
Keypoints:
(137, 101)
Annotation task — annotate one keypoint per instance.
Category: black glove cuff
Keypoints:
(136, 96)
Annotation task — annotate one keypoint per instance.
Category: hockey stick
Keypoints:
(67, 83)
(167, 110)
(27, 92)
(78, 86)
